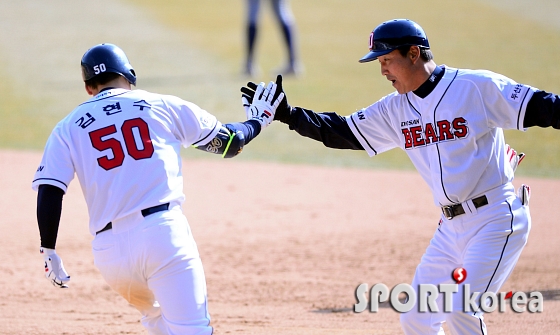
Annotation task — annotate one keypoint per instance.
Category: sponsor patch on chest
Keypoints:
(417, 135)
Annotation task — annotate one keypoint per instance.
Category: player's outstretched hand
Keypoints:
(282, 112)
(54, 269)
(513, 157)
(264, 104)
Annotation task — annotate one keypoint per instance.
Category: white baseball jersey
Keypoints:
(117, 143)
(454, 132)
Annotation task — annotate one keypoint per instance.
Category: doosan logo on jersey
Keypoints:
(410, 123)
(443, 130)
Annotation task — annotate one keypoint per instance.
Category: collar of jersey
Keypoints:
(106, 93)
(109, 92)
(428, 86)
(105, 89)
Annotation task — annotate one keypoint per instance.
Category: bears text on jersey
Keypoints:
(443, 130)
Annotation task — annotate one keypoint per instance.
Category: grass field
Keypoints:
(200, 54)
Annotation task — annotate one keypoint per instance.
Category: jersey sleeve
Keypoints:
(56, 167)
(505, 101)
(373, 128)
(194, 125)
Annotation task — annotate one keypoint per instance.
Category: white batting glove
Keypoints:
(264, 106)
(514, 158)
(54, 269)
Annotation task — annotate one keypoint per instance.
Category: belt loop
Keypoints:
(469, 207)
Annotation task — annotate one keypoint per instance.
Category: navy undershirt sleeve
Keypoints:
(329, 128)
(249, 128)
(49, 208)
(543, 110)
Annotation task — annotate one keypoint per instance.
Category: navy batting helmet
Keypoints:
(390, 35)
(107, 58)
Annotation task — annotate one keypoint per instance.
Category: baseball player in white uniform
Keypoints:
(449, 121)
(124, 145)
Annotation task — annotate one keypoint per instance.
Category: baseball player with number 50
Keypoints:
(124, 145)
(449, 121)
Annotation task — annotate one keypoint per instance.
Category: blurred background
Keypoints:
(195, 50)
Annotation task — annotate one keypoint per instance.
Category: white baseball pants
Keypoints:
(487, 242)
(156, 267)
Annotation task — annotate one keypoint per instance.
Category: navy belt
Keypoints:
(145, 212)
(454, 210)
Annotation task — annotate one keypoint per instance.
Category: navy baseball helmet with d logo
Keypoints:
(106, 57)
(392, 34)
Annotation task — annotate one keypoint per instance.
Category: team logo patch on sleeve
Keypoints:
(515, 93)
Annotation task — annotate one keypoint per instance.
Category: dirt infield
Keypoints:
(283, 247)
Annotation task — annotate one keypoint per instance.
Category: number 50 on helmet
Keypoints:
(104, 58)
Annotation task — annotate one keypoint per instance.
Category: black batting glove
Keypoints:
(284, 109)
(248, 92)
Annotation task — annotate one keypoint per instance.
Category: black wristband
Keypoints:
(283, 114)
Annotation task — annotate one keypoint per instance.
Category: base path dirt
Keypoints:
(283, 246)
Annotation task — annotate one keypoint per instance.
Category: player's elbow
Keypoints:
(227, 142)
(235, 145)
